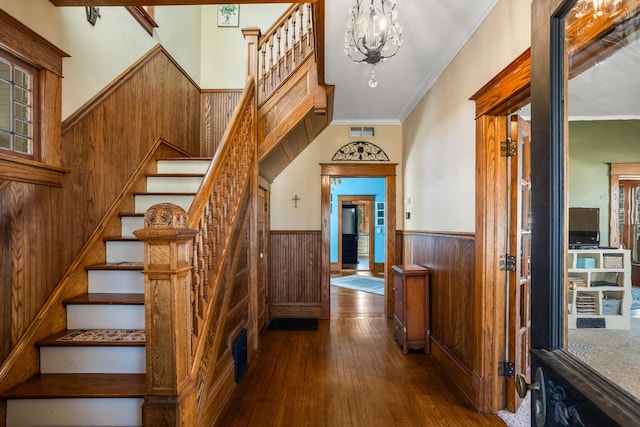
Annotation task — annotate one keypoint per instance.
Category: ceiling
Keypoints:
(433, 33)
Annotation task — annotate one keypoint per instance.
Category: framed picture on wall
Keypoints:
(228, 15)
(380, 213)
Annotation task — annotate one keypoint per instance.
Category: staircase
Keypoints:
(100, 380)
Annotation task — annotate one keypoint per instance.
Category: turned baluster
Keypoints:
(309, 27)
(294, 59)
(300, 11)
(263, 74)
(286, 48)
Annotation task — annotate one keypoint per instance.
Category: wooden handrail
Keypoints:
(214, 210)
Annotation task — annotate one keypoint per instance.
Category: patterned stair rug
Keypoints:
(105, 335)
(373, 285)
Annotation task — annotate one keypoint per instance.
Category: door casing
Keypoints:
(359, 170)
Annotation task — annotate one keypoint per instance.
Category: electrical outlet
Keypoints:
(407, 215)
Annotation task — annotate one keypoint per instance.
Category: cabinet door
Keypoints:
(414, 319)
(398, 295)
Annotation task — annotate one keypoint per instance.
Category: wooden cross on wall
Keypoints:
(295, 199)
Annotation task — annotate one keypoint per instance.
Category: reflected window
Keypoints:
(629, 217)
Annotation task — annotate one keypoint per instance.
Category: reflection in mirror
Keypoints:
(603, 179)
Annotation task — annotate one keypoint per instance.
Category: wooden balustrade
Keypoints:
(283, 47)
(187, 258)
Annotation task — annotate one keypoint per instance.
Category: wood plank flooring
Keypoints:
(350, 372)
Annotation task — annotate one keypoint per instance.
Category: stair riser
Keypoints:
(183, 166)
(125, 252)
(145, 201)
(92, 360)
(74, 412)
(116, 281)
(105, 316)
(131, 224)
(157, 184)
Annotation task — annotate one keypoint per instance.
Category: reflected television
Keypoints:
(584, 228)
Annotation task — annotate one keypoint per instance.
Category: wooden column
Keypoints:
(168, 247)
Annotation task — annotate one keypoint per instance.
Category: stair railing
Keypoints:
(283, 47)
(187, 258)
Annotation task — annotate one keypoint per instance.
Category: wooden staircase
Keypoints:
(103, 381)
(46, 381)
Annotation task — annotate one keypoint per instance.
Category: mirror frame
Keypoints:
(584, 391)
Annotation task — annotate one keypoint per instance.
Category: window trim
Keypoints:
(34, 106)
(46, 167)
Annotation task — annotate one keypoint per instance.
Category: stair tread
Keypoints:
(176, 175)
(163, 193)
(141, 215)
(52, 340)
(106, 298)
(80, 385)
(121, 239)
(116, 266)
(184, 158)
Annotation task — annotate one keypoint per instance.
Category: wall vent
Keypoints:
(239, 349)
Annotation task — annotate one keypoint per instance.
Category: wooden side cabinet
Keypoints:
(411, 304)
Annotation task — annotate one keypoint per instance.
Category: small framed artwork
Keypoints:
(228, 15)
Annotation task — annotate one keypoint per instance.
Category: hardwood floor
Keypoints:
(350, 372)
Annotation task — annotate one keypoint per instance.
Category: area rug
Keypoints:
(373, 285)
(522, 418)
(293, 324)
(105, 335)
(612, 352)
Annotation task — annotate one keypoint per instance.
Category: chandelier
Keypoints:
(373, 33)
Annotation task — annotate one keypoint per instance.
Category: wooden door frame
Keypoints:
(616, 171)
(500, 97)
(358, 199)
(358, 170)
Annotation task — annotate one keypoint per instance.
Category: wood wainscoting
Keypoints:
(44, 227)
(450, 258)
(295, 288)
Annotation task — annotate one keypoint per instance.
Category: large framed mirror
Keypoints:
(585, 120)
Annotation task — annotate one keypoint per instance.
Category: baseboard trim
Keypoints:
(295, 310)
(460, 375)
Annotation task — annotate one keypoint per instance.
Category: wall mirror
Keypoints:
(602, 149)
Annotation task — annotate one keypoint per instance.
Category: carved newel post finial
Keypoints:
(165, 215)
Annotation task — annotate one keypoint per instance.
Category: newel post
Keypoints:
(168, 248)
(252, 36)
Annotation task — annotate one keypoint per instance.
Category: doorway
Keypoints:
(356, 239)
(387, 171)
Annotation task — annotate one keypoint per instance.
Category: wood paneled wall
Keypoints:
(295, 288)
(451, 261)
(217, 109)
(43, 228)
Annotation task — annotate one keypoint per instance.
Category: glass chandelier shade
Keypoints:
(373, 32)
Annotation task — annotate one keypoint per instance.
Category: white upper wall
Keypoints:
(224, 50)
(439, 135)
(214, 57)
(302, 176)
(102, 52)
